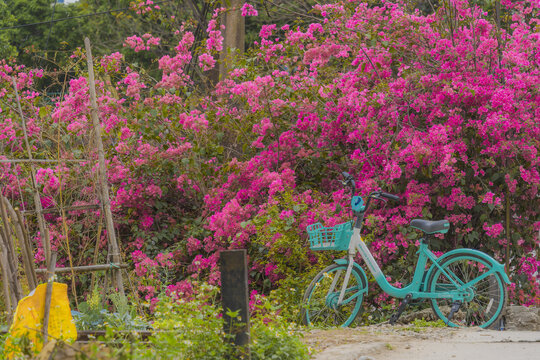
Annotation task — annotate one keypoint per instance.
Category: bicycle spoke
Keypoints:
(484, 298)
(321, 298)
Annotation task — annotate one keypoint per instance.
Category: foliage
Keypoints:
(3, 338)
(193, 329)
(440, 109)
(50, 44)
(93, 315)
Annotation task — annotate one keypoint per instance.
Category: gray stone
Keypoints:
(522, 318)
(426, 314)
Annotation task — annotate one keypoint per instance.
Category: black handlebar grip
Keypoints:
(347, 176)
(390, 196)
(349, 181)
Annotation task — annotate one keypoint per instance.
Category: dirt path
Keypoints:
(405, 342)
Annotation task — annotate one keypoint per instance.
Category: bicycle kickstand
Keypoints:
(455, 308)
(395, 316)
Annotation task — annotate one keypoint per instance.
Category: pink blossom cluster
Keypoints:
(141, 43)
(144, 7)
(448, 120)
(112, 62)
(249, 10)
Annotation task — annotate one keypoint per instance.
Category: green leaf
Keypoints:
(43, 112)
(412, 235)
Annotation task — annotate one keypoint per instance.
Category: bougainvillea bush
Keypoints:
(440, 109)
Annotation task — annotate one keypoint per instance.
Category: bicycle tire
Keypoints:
(488, 297)
(320, 301)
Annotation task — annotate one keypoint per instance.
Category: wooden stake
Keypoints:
(45, 240)
(109, 224)
(234, 293)
(48, 296)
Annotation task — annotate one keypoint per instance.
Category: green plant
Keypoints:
(274, 337)
(2, 342)
(92, 315)
(193, 329)
(420, 325)
(281, 247)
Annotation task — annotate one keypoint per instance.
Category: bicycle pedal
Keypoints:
(455, 308)
(393, 319)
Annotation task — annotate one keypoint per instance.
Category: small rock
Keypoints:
(366, 358)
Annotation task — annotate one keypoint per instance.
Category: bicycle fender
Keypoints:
(360, 270)
(496, 265)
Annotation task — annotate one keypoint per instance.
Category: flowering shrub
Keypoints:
(440, 109)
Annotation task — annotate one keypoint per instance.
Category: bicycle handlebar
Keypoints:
(349, 181)
(359, 211)
(389, 196)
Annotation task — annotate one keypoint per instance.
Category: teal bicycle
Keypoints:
(465, 287)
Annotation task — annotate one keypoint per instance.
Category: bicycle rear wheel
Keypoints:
(320, 305)
(485, 300)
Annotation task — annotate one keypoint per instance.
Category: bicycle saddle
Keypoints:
(431, 227)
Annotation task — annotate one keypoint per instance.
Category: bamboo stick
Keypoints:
(102, 169)
(87, 268)
(27, 260)
(36, 161)
(10, 253)
(5, 281)
(27, 247)
(45, 240)
(67, 208)
(48, 296)
(96, 251)
(11, 273)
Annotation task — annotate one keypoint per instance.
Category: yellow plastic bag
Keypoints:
(28, 321)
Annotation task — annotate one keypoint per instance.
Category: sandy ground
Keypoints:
(405, 342)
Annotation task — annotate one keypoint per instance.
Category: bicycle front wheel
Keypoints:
(321, 306)
(485, 299)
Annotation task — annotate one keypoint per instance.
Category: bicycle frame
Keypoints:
(460, 290)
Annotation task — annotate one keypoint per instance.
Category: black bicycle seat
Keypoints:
(431, 227)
